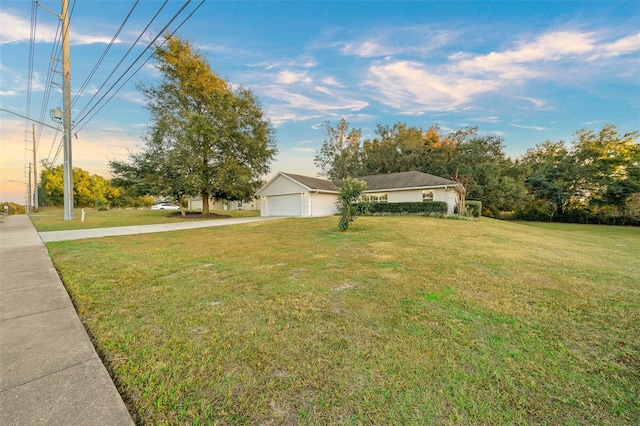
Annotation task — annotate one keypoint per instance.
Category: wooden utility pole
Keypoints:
(66, 107)
(35, 170)
(28, 204)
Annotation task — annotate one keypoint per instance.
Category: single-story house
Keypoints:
(196, 204)
(288, 194)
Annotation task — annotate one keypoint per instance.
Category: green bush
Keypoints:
(474, 208)
(13, 208)
(578, 214)
(535, 211)
(348, 207)
(408, 208)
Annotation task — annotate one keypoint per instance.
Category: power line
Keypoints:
(32, 43)
(118, 65)
(134, 62)
(55, 53)
(86, 117)
(54, 61)
(104, 54)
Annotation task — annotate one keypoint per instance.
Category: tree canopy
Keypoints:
(88, 190)
(205, 139)
(596, 179)
(476, 161)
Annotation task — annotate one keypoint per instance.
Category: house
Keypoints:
(196, 204)
(288, 194)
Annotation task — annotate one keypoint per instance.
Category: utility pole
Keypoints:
(66, 109)
(66, 106)
(28, 206)
(35, 172)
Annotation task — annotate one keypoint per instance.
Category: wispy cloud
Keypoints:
(331, 81)
(303, 61)
(539, 128)
(324, 90)
(134, 97)
(395, 41)
(537, 103)
(302, 149)
(14, 29)
(415, 87)
(523, 61)
(623, 46)
(487, 119)
(291, 77)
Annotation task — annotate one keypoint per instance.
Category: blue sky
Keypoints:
(526, 71)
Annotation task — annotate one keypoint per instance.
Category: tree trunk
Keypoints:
(205, 204)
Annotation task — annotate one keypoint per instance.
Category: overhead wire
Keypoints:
(54, 60)
(104, 54)
(103, 100)
(56, 47)
(120, 62)
(150, 45)
(32, 43)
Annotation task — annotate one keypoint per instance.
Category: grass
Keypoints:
(52, 219)
(400, 320)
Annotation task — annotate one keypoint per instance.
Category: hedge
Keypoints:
(474, 208)
(407, 207)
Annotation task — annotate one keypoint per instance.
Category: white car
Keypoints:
(165, 206)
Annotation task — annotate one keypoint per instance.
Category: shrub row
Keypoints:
(540, 211)
(408, 207)
(474, 208)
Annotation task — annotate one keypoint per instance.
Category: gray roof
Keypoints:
(405, 180)
(388, 181)
(313, 183)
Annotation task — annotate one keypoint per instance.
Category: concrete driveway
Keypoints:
(79, 234)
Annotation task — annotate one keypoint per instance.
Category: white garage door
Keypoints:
(284, 205)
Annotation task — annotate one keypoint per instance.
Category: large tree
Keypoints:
(206, 138)
(609, 164)
(600, 169)
(552, 177)
(88, 190)
(478, 162)
(339, 156)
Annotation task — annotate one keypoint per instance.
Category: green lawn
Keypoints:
(52, 219)
(400, 320)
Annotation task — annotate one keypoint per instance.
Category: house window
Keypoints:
(376, 198)
(427, 195)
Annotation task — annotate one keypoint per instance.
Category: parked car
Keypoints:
(165, 206)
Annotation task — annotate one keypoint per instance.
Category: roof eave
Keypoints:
(456, 185)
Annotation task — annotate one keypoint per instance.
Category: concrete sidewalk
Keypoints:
(79, 234)
(50, 372)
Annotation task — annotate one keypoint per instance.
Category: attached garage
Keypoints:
(292, 195)
(283, 205)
